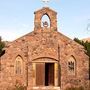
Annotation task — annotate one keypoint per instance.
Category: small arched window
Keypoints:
(71, 66)
(18, 65)
(45, 21)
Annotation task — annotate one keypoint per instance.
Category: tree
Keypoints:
(2, 51)
(85, 44)
(86, 47)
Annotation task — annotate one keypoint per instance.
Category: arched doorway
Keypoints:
(46, 72)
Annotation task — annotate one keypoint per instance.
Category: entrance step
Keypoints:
(43, 88)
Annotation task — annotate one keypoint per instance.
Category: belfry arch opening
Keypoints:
(45, 21)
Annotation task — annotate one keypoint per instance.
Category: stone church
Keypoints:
(44, 59)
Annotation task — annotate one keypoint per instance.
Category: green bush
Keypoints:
(75, 88)
(20, 88)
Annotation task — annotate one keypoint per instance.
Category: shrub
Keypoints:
(75, 88)
(16, 88)
(19, 88)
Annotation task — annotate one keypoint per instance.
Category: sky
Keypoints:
(17, 17)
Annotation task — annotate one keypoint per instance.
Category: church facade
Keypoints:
(44, 59)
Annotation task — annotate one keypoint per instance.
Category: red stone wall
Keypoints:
(46, 43)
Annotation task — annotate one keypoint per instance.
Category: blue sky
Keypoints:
(17, 17)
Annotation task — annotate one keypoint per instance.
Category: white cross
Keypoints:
(45, 1)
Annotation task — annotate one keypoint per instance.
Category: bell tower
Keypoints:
(40, 25)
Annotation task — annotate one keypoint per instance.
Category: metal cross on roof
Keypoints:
(45, 1)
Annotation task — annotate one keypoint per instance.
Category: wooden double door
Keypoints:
(45, 74)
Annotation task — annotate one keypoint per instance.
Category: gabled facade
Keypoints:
(44, 59)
